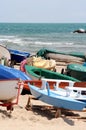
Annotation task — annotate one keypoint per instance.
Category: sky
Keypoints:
(43, 11)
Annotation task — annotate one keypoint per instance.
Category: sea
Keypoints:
(31, 37)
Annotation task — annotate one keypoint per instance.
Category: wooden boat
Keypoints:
(77, 71)
(11, 73)
(51, 97)
(4, 55)
(76, 90)
(18, 56)
(9, 91)
(52, 82)
(37, 73)
(75, 57)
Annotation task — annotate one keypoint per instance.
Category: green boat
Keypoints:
(77, 71)
(37, 73)
(44, 52)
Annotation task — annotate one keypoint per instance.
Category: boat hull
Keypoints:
(4, 55)
(56, 100)
(11, 73)
(9, 89)
(43, 53)
(77, 71)
(18, 56)
(38, 73)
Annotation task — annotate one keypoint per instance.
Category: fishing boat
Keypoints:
(75, 57)
(10, 90)
(18, 56)
(76, 90)
(77, 71)
(37, 73)
(12, 73)
(4, 55)
(55, 99)
(52, 82)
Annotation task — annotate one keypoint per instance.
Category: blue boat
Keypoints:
(18, 56)
(11, 73)
(52, 98)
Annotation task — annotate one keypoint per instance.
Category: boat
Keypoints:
(81, 30)
(77, 71)
(18, 56)
(50, 97)
(76, 90)
(60, 83)
(10, 90)
(4, 55)
(37, 73)
(12, 73)
(76, 57)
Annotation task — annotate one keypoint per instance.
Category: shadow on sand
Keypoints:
(50, 112)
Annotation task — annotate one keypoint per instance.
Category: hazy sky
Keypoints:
(56, 11)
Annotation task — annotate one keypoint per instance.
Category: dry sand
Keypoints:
(39, 117)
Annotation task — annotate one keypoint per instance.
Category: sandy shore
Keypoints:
(39, 117)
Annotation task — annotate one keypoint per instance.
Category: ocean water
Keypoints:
(31, 37)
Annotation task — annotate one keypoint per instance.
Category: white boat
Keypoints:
(9, 90)
(4, 55)
(53, 97)
(73, 91)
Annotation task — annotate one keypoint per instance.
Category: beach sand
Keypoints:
(39, 117)
(42, 117)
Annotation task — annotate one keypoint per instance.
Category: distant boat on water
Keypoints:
(80, 31)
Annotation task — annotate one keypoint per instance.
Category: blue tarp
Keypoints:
(10, 73)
